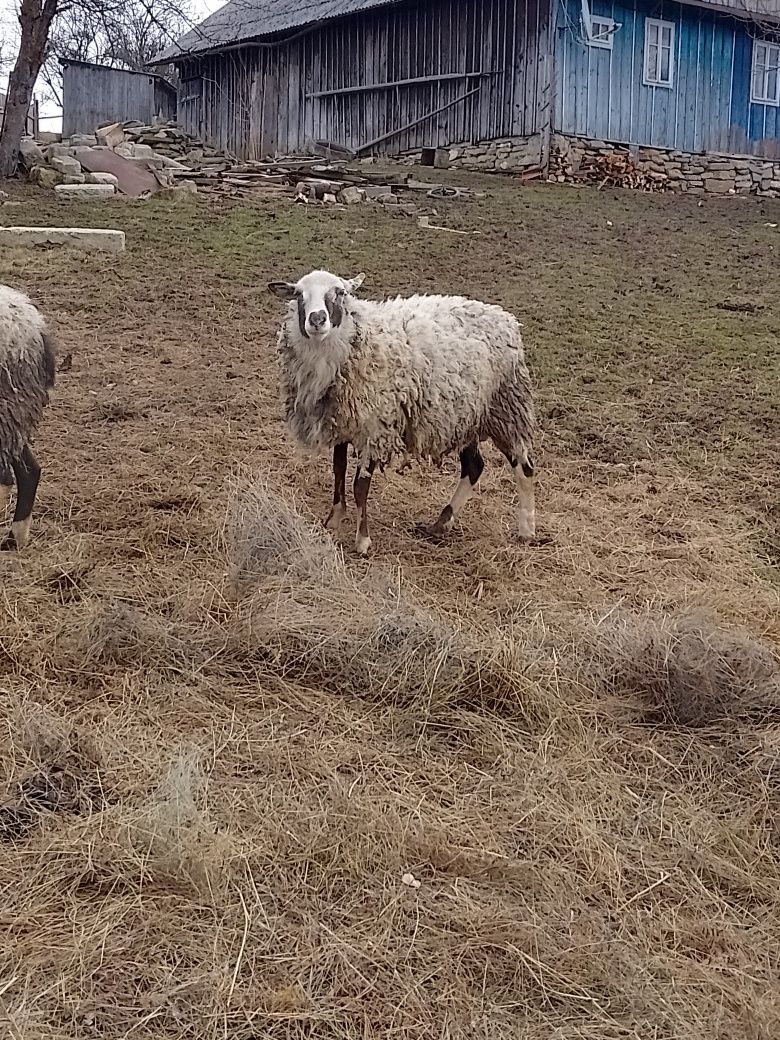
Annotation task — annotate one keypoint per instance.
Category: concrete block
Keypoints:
(84, 192)
(111, 135)
(350, 195)
(30, 154)
(83, 140)
(88, 239)
(65, 164)
(102, 178)
(45, 176)
(57, 149)
(73, 178)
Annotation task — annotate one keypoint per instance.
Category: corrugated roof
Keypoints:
(754, 9)
(243, 20)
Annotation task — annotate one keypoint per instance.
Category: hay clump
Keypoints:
(686, 670)
(117, 633)
(306, 613)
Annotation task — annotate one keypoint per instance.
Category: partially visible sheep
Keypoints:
(26, 376)
(421, 377)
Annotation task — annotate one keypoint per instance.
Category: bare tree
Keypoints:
(35, 18)
(126, 37)
(123, 33)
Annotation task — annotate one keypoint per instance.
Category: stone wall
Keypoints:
(689, 172)
(510, 154)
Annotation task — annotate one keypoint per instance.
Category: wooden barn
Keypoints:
(383, 76)
(94, 95)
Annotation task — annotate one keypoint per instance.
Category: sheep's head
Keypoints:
(320, 297)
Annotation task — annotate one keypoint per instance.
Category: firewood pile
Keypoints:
(613, 169)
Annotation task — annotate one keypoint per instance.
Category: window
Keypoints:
(659, 53)
(601, 32)
(765, 84)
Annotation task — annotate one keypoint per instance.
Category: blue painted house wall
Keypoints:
(600, 93)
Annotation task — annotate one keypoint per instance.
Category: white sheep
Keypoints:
(420, 376)
(27, 361)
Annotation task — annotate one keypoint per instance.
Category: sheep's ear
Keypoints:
(350, 284)
(284, 290)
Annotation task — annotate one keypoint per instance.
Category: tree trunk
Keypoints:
(35, 18)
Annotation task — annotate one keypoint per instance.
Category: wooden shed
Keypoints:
(381, 76)
(94, 95)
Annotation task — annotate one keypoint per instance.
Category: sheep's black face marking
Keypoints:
(528, 467)
(302, 315)
(333, 302)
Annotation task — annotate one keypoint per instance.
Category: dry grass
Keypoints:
(254, 788)
(687, 671)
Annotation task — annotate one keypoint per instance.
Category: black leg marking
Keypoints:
(362, 486)
(28, 475)
(339, 509)
(471, 466)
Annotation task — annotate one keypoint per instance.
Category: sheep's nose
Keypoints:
(317, 319)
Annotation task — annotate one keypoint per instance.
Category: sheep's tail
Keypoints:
(49, 360)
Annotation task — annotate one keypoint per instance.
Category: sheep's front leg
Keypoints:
(362, 488)
(339, 510)
(28, 474)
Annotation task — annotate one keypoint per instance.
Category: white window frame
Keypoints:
(602, 32)
(771, 62)
(659, 24)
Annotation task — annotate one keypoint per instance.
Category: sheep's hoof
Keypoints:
(335, 517)
(537, 540)
(436, 533)
(362, 545)
(526, 525)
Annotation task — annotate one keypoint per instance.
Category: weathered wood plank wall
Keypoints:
(94, 95)
(264, 99)
(601, 92)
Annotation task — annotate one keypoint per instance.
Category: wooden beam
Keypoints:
(416, 122)
(368, 87)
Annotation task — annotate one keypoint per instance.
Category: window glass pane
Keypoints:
(771, 85)
(652, 30)
(666, 36)
(756, 86)
(652, 62)
(666, 62)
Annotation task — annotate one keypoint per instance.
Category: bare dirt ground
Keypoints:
(215, 815)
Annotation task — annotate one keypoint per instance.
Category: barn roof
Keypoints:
(240, 21)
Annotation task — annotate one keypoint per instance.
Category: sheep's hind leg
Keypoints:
(523, 471)
(362, 487)
(471, 466)
(339, 510)
(28, 475)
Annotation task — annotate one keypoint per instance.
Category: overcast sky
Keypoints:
(9, 27)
